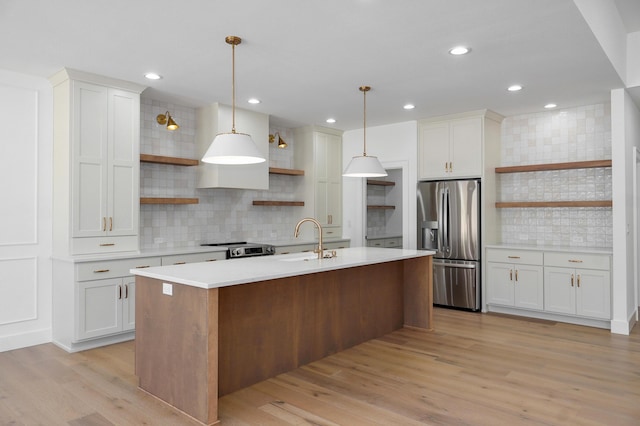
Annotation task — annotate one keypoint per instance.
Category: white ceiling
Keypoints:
(306, 59)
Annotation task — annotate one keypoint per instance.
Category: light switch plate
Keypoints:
(167, 289)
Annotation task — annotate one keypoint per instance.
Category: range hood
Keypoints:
(216, 118)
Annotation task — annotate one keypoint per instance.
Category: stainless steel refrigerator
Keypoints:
(449, 223)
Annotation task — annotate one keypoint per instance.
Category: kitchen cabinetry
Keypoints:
(319, 152)
(570, 286)
(385, 242)
(309, 247)
(217, 118)
(179, 259)
(515, 278)
(578, 284)
(96, 163)
(453, 146)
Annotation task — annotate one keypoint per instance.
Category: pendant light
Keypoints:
(233, 148)
(364, 165)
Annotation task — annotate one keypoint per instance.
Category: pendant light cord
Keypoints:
(364, 90)
(233, 88)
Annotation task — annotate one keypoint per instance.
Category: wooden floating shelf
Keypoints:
(380, 182)
(290, 172)
(555, 166)
(278, 203)
(152, 200)
(374, 207)
(516, 204)
(161, 159)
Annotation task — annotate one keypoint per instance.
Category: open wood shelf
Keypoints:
(555, 166)
(379, 207)
(290, 172)
(518, 204)
(278, 203)
(162, 159)
(380, 182)
(158, 200)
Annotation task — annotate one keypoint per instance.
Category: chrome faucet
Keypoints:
(320, 250)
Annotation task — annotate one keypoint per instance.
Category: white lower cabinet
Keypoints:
(583, 291)
(515, 279)
(392, 242)
(564, 286)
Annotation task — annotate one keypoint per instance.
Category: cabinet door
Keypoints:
(500, 283)
(465, 138)
(99, 308)
(528, 287)
(128, 303)
(89, 160)
(328, 159)
(559, 290)
(433, 150)
(593, 293)
(123, 163)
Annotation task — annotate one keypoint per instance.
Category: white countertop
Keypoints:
(246, 270)
(593, 250)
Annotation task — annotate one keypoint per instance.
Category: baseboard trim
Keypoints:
(23, 340)
(624, 327)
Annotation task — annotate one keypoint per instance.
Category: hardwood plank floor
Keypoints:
(473, 369)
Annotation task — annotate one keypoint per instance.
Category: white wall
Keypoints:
(396, 146)
(625, 134)
(26, 140)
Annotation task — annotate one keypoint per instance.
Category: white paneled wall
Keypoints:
(573, 134)
(25, 225)
(222, 214)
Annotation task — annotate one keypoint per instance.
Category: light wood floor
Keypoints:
(473, 369)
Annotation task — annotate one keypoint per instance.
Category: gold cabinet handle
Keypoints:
(180, 263)
(211, 260)
(571, 280)
(119, 292)
(516, 275)
(142, 267)
(126, 291)
(107, 244)
(104, 224)
(510, 274)
(99, 271)
(446, 167)
(578, 280)
(513, 257)
(450, 166)
(575, 260)
(111, 224)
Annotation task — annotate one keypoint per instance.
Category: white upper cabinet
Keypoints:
(453, 146)
(318, 151)
(217, 118)
(96, 163)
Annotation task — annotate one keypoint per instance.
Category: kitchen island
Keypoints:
(204, 330)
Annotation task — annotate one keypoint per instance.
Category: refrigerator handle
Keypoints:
(445, 207)
(440, 215)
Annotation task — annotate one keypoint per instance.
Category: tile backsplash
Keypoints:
(222, 215)
(573, 134)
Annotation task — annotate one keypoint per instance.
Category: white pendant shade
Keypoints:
(233, 148)
(364, 166)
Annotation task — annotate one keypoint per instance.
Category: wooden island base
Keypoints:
(199, 344)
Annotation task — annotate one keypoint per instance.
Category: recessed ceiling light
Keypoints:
(514, 88)
(409, 106)
(254, 101)
(550, 106)
(459, 50)
(153, 76)
(331, 120)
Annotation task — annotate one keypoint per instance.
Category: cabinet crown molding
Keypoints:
(486, 113)
(73, 74)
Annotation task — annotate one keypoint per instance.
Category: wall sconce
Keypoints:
(168, 120)
(276, 138)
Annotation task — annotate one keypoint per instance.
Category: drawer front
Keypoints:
(295, 249)
(180, 259)
(98, 245)
(393, 242)
(376, 243)
(518, 257)
(331, 232)
(334, 245)
(112, 268)
(578, 260)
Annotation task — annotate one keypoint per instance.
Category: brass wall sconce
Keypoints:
(168, 120)
(277, 139)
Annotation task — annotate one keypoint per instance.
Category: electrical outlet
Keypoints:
(167, 289)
